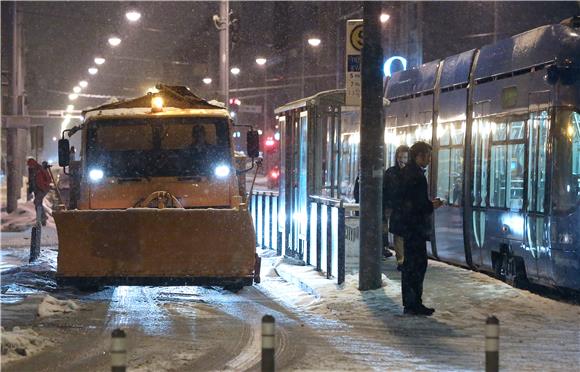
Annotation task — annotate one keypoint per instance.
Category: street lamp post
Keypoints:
(313, 42)
(261, 61)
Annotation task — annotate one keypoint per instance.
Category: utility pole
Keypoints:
(13, 144)
(371, 147)
(225, 49)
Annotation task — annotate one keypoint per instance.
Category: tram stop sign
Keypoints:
(354, 44)
(356, 37)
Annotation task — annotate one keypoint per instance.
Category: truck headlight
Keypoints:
(96, 175)
(222, 171)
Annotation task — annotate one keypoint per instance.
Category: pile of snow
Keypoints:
(20, 343)
(51, 306)
(159, 363)
(24, 217)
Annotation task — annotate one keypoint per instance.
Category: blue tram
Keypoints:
(504, 122)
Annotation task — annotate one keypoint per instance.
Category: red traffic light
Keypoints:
(269, 142)
(235, 102)
(274, 174)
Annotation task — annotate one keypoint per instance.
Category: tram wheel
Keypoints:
(510, 269)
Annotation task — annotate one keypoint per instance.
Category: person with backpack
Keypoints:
(38, 184)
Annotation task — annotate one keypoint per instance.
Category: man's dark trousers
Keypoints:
(414, 268)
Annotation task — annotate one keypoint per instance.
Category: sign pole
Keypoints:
(371, 150)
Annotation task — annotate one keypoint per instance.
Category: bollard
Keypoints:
(118, 351)
(268, 342)
(34, 243)
(492, 344)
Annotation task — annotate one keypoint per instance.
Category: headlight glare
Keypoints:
(96, 175)
(222, 171)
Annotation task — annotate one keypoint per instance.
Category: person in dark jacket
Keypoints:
(416, 210)
(391, 205)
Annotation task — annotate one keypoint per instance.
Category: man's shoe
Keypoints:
(425, 310)
(410, 311)
(418, 311)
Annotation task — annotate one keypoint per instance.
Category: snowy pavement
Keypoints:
(320, 326)
(537, 333)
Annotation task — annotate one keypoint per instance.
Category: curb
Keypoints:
(292, 278)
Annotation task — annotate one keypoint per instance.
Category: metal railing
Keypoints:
(332, 233)
(264, 210)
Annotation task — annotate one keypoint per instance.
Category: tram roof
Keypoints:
(541, 45)
(559, 43)
(332, 96)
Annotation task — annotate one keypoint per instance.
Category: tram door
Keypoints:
(476, 220)
(449, 186)
(536, 224)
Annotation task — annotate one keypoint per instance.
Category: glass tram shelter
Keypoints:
(318, 169)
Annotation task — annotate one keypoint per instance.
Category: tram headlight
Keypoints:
(222, 171)
(96, 175)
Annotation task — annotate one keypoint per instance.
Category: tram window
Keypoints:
(457, 133)
(443, 134)
(567, 162)
(499, 131)
(480, 162)
(450, 162)
(443, 163)
(456, 176)
(497, 187)
(537, 150)
(516, 130)
(515, 182)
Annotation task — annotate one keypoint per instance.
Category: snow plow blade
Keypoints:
(146, 246)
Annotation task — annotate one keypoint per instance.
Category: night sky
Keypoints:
(176, 42)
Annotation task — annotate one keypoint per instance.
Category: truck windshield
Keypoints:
(567, 161)
(157, 147)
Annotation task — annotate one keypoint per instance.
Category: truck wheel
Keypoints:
(234, 288)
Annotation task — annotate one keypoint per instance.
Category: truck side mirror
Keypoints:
(63, 152)
(253, 144)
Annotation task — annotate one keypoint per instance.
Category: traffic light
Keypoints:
(235, 102)
(235, 30)
(234, 106)
(270, 145)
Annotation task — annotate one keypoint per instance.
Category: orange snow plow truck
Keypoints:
(157, 196)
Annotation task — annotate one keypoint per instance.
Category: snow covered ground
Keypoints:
(537, 333)
(320, 326)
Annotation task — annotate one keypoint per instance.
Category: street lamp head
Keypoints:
(261, 61)
(93, 70)
(114, 41)
(207, 80)
(133, 16)
(73, 96)
(77, 89)
(384, 17)
(99, 60)
(235, 71)
(314, 41)
(83, 83)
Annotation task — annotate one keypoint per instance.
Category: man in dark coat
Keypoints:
(391, 199)
(416, 212)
